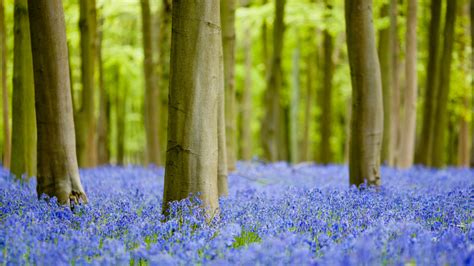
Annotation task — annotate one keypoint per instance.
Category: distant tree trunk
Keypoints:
(395, 88)
(283, 133)
(305, 150)
(407, 148)
(57, 173)
(424, 149)
(439, 140)
(196, 113)
(386, 65)
(265, 48)
(326, 98)
(23, 100)
(164, 44)
(86, 124)
(103, 152)
(120, 113)
(295, 99)
(464, 139)
(367, 104)
(271, 126)
(246, 104)
(6, 120)
(151, 90)
(228, 41)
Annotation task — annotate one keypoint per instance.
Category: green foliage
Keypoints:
(246, 238)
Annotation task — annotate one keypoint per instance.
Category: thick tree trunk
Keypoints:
(151, 90)
(6, 120)
(164, 44)
(57, 173)
(395, 88)
(196, 113)
(103, 151)
(407, 148)
(424, 149)
(228, 42)
(23, 100)
(472, 81)
(367, 103)
(439, 140)
(295, 99)
(86, 124)
(270, 130)
(325, 155)
(246, 104)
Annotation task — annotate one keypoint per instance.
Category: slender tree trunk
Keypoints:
(120, 113)
(23, 99)
(424, 149)
(228, 41)
(164, 44)
(439, 140)
(305, 150)
(326, 99)
(367, 103)
(464, 143)
(86, 124)
(57, 173)
(395, 88)
(246, 105)
(6, 120)
(151, 90)
(103, 152)
(270, 134)
(295, 99)
(386, 65)
(407, 148)
(196, 112)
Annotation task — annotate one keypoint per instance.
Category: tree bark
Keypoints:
(246, 104)
(472, 81)
(57, 172)
(295, 99)
(120, 113)
(228, 42)
(86, 123)
(305, 147)
(103, 151)
(151, 90)
(367, 103)
(270, 134)
(6, 120)
(23, 99)
(196, 112)
(439, 140)
(424, 149)
(407, 148)
(395, 88)
(326, 99)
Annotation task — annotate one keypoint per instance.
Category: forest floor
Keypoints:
(275, 214)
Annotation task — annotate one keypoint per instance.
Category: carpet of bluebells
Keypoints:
(276, 214)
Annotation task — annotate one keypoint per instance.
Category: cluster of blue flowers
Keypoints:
(276, 214)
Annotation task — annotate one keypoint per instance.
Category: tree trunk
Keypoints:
(424, 149)
(367, 103)
(228, 42)
(151, 90)
(270, 130)
(23, 99)
(120, 113)
(295, 99)
(103, 152)
(57, 173)
(439, 140)
(407, 148)
(246, 104)
(164, 44)
(395, 88)
(464, 138)
(386, 65)
(472, 80)
(196, 114)
(6, 120)
(306, 143)
(86, 124)
(326, 99)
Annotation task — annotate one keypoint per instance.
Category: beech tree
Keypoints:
(367, 105)
(57, 172)
(195, 159)
(3, 66)
(23, 99)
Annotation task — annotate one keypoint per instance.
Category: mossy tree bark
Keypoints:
(271, 122)
(424, 149)
(152, 94)
(367, 103)
(3, 65)
(228, 43)
(23, 99)
(57, 172)
(441, 112)
(85, 120)
(472, 82)
(407, 146)
(196, 129)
